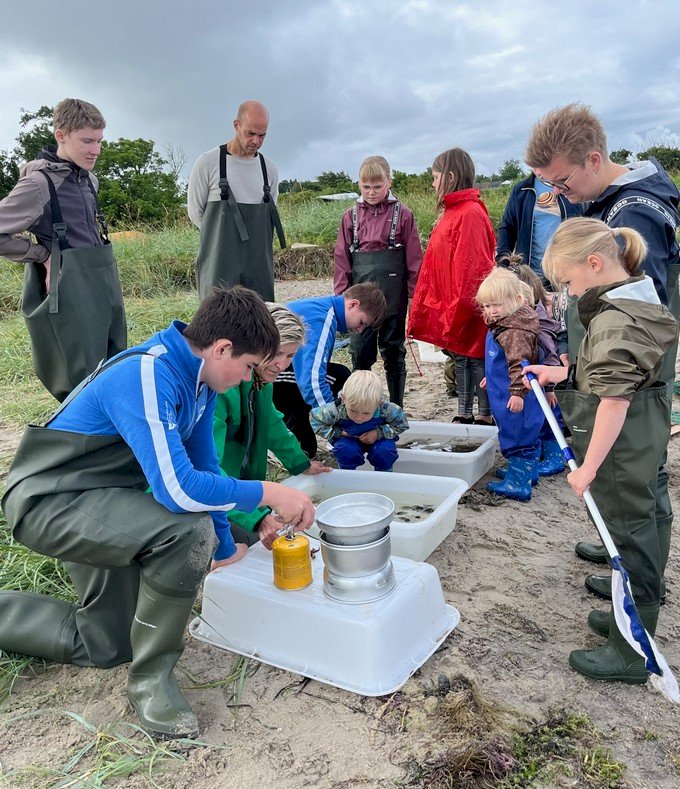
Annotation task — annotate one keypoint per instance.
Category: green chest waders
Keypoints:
(81, 498)
(236, 239)
(82, 319)
(387, 268)
(625, 485)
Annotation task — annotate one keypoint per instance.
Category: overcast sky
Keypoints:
(344, 79)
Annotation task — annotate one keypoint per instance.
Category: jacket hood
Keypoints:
(461, 196)
(648, 178)
(48, 160)
(525, 318)
(637, 297)
(181, 359)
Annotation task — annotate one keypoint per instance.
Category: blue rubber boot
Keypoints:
(517, 482)
(501, 471)
(552, 459)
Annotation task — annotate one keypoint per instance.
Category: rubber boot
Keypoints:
(501, 471)
(396, 383)
(600, 621)
(157, 638)
(592, 552)
(616, 661)
(601, 586)
(552, 459)
(40, 626)
(517, 482)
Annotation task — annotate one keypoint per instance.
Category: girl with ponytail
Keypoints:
(617, 411)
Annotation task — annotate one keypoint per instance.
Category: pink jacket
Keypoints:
(374, 230)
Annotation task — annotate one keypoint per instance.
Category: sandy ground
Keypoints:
(511, 571)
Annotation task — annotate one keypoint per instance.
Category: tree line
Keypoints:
(138, 185)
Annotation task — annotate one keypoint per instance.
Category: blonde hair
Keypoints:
(572, 131)
(73, 114)
(363, 390)
(290, 326)
(503, 287)
(457, 170)
(576, 239)
(375, 168)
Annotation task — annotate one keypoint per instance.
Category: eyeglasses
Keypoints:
(372, 187)
(563, 185)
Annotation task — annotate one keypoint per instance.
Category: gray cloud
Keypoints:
(344, 79)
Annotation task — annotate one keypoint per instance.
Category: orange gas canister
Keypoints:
(292, 561)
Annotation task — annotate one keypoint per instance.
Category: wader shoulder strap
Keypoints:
(267, 198)
(59, 244)
(393, 227)
(226, 194)
(58, 224)
(103, 227)
(104, 364)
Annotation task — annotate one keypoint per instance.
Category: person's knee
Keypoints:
(177, 564)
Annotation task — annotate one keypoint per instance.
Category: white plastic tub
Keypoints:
(468, 466)
(371, 648)
(429, 352)
(413, 540)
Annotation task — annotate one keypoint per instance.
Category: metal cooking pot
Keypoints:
(364, 589)
(355, 518)
(353, 561)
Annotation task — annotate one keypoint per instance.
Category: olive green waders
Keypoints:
(596, 552)
(81, 320)
(387, 268)
(136, 565)
(236, 239)
(625, 492)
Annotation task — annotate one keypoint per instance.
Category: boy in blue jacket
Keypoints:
(314, 379)
(76, 491)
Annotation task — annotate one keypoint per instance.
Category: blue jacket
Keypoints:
(323, 317)
(645, 199)
(516, 228)
(156, 403)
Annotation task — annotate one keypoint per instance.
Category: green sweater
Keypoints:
(246, 425)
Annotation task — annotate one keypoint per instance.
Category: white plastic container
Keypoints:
(468, 466)
(429, 352)
(370, 648)
(413, 540)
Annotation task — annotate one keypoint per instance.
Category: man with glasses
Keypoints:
(532, 214)
(567, 150)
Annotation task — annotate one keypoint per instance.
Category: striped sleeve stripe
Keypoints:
(319, 355)
(160, 444)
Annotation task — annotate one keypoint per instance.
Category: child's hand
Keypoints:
(580, 480)
(515, 404)
(551, 398)
(369, 437)
(482, 383)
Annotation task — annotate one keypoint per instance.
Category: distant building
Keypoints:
(342, 196)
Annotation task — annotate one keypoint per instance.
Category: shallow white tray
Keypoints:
(371, 648)
(415, 540)
(468, 466)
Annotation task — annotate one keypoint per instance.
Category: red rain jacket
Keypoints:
(458, 257)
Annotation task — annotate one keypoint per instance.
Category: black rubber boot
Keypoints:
(616, 661)
(42, 627)
(601, 586)
(592, 552)
(157, 638)
(396, 383)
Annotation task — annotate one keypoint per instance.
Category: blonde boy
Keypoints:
(362, 422)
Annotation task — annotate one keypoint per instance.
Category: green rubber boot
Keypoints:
(600, 621)
(616, 661)
(601, 586)
(40, 626)
(592, 552)
(157, 638)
